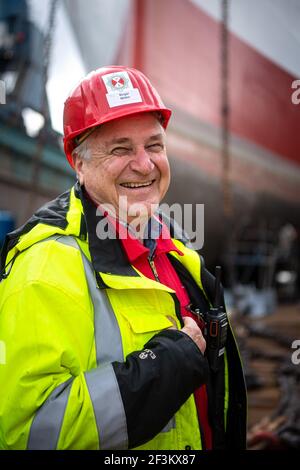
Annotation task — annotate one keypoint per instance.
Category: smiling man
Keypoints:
(103, 348)
(125, 160)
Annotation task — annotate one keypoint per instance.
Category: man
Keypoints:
(102, 348)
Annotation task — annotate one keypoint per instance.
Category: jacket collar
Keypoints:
(72, 213)
(115, 256)
(107, 255)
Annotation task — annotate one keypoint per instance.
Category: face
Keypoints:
(128, 158)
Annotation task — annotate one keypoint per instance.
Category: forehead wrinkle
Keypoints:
(118, 140)
(128, 140)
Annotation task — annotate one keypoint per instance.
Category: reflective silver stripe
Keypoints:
(108, 407)
(102, 382)
(170, 425)
(46, 425)
(107, 332)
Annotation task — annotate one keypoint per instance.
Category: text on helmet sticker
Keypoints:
(120, 90)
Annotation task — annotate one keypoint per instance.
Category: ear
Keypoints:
(79, 168)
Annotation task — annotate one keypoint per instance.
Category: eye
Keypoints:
(120, 151)
(158, 147)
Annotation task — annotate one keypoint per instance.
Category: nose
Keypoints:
(141, 162)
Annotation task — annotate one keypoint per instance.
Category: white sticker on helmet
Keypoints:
(120, 90)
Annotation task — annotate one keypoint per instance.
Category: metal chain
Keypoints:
(227, 203)
(47, 47)
(48, 39)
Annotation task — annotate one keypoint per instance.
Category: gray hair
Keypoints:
(82, 151)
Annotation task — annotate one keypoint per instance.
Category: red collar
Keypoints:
(133, 247)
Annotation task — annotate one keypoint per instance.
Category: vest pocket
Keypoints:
(141, 313)
(143, 326)
(148, 323)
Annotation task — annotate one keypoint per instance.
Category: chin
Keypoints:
(141, 209)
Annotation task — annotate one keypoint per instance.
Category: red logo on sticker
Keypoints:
(117, 82)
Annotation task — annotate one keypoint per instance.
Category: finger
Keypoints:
(201, 343)
(192, 329)
(173, 321)
(189, 322)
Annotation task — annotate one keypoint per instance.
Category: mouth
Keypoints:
(130, 185)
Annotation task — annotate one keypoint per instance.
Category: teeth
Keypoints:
(136, 185)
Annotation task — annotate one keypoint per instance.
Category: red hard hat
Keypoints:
(106, 94)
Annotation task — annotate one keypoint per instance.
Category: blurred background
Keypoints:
(230, 71)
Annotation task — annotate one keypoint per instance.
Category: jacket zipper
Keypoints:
(153, 268)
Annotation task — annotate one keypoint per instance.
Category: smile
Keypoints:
(137, 185)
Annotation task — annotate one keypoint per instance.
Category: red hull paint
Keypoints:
(178, 46)
(250, 177)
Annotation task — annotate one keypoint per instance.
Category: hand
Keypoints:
(193, 331)
(173, 321)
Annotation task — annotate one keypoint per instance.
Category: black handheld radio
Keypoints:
(215, 330)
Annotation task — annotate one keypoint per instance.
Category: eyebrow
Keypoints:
(156, 137)
(127, 140)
